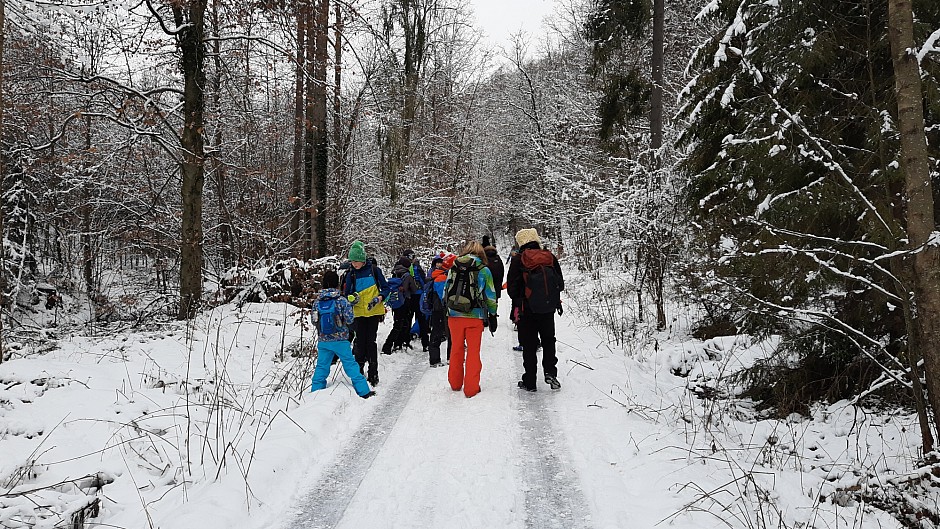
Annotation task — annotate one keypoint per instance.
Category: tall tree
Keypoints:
(297, 221)
(316, 135)
(218, 166)
(321, 137)
(656, 96)
(189, 16)
(3, 286)
(338, 147)
(923, 235)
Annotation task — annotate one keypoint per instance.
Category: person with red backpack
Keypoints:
(402, 288)
(535, 282)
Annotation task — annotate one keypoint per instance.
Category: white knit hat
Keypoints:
(527, 235)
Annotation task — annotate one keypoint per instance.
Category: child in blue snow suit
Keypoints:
(331, 315)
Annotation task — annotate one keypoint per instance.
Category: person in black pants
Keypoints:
(437, 319)
(538, 300)
(366, 283)
(418, 274)
(400, 335)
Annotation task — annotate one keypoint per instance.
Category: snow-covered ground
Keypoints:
(244, 444)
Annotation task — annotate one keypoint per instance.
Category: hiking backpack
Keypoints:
(396, 298)
(430, 300)
(464, 294)
(542, 284)
(329, 321)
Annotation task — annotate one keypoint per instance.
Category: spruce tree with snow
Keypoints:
(795, 182)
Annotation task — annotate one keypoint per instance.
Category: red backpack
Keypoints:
(542, 284)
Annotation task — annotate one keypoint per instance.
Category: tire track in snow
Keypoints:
(324, 506)
(553, 495)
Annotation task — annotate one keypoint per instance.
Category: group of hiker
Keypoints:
(453, 302)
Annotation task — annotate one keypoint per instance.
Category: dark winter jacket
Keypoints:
(408, 285)
(515, 281)
(495, 264)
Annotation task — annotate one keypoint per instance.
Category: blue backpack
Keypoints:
(395, 298)
(328, 316)
(430, 301)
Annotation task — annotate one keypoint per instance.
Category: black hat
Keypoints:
(410, 254)
(404, 261)
(330, 279)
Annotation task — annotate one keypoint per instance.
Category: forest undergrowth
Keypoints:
(190, 404)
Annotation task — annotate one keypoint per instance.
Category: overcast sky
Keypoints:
(500, 18)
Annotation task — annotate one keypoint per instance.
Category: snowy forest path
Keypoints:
(430, 457)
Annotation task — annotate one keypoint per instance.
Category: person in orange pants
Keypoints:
(471, 305)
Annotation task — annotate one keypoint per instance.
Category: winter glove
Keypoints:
(492, 323)
(375, 301)
(353, 298)
(560, 310)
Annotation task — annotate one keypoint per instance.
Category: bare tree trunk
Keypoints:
(924, 240)
(338, 146)
(321, 132)
(658, 261)
(218, 168)
(297, 178)
(339, 158)
(88, 260)
(3, 172)
(190, 41)
(656, 98)
(309, 98)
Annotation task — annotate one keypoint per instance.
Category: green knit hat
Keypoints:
(357, 252)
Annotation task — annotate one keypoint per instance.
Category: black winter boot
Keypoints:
(552, 381)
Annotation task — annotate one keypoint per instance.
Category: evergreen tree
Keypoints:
(794, 179)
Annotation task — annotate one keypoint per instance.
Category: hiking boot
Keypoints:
(373, 380)
(367, 395)
(437, 364)
(517, 348)
(522, 385)
(553, 382)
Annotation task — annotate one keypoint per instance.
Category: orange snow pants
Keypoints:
(469, 330)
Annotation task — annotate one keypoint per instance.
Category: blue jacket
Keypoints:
(421, 278)
(368, 282)
(343, 308)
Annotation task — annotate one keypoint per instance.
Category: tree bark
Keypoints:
(297, 188)
(321, 131)
(3, 283)
(338, 147)
(218, 168)
(190, 40)
(309, 104)
(656, 98)
(88, 259)
(923, 239)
